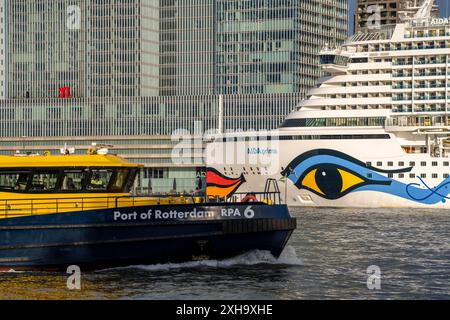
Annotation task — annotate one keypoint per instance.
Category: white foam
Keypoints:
(288, 257)
(11, 271)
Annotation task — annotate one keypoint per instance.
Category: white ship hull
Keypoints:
(411, 180)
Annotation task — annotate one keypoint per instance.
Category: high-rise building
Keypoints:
(271, 46)
(3, 49)
(187, 53)
(387, 11)
(131, 72)
(246, 46)
(135, 48)
(96, 48)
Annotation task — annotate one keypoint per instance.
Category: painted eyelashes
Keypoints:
(332, 174)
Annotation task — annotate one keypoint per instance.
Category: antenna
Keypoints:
(67, 151)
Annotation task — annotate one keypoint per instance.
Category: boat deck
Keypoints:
(14, 208)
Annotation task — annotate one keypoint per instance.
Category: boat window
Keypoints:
(72, 180)
(99, 180)
(120, 181)
(13, 180)
(44, 181)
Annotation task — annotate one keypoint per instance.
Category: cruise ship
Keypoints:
(375, 132)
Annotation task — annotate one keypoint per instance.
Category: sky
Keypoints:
(444, 6)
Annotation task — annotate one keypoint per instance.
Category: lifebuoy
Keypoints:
(249, 198)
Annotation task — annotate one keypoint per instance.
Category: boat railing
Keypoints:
(12, 208)
(261, 197)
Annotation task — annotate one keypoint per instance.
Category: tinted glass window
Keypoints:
(13, 180)
(72, 180)
(44, 181)
(99, 180)
(120, 181)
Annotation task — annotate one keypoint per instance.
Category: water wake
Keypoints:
(288, 257)
(10, 271)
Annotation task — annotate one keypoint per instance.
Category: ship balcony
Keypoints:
(418, 129)
(426, 127)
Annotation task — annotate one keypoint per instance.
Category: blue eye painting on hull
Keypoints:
(332, 175)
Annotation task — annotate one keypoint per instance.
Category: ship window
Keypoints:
(412, 175)
(401, 175)
(423, 164)
(120, 181)
(44, 181)
(390, 175)
(99, 180)
(446, 164)
(401, 164)
(390, 164)
(446, 175)
(434, 164)
(435, 175)
(72, 180)
(412, 164)
(423, 175)
(10, 180)
(379, 164)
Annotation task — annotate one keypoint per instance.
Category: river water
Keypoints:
(327, 258)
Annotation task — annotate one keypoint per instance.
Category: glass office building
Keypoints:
(246, 46)
(98, 48)
(187, 56)
(131, 72)
(3, 49)
(270, 46)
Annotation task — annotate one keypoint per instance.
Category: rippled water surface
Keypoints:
(327, 258)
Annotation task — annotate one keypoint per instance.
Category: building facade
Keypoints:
(133, 73)
(271, 46)
(187, 53)
(3, 49)
(166, 134)
(97, 48)
(245, 46)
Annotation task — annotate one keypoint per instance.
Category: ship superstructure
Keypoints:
(376, 130)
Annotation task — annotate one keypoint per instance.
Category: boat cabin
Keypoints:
(66, 174)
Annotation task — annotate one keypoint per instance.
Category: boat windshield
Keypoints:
(115, 180)
(13, 180)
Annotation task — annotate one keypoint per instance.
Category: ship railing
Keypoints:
(13, 208)
(271, 198)
(10, 208)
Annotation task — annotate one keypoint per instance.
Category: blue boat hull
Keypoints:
(144, 235)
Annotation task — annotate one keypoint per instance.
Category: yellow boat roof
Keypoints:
(72, 161)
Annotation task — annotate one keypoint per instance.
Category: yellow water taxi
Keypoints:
(63, 210)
